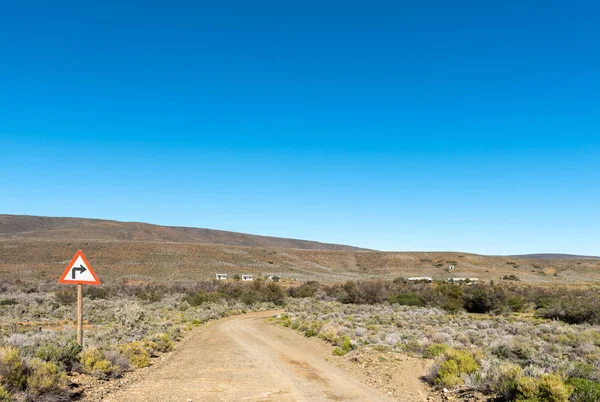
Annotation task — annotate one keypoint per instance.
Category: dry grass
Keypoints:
(32, 259)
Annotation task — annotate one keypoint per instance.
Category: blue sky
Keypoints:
(467, 125)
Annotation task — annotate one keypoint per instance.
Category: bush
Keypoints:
(456, 364)
(4, 395)
(337, 351)
(65, 297)
(485, 300)
(13, 373)
(46, 378)
(307, 289)
(435, 350)
(584, 390)
(274, 293)
(160, 343)
(62, 355)
(548, 388)
(407, 299)
(94, 363)
(511, 278)
(507, 382)
(137, 355)
(200, 298)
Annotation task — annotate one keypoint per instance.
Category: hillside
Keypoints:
(36, 248)
(38, 227)
(34, 259)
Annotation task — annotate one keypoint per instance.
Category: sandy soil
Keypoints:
(246, 358)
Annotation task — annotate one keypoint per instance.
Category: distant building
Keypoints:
(272, 278)
(221, 277)
(420, 279)
(463, 280)
(246, 277)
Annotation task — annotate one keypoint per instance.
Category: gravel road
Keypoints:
(246, 358)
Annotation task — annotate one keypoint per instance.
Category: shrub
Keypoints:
(63, 355)
(95, 292)
(8, 302)
(547, 388)
(455, 365)
(506, 384)
(435, 350)
(137, 355)
(119, 362)
(407, 299)
(584, 390)
(65, 297)
(46, 378)
(307, 289)
(511, 278)
(13, 373)
(274, 293)
(337, 351)
(345, 343)
(160, 343)
(200, 298)
(94, 363)
(485, 300)
(4, 395)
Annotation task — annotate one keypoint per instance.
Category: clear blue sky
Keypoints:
(465, 125)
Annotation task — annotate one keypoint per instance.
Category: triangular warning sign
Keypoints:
(79, 272)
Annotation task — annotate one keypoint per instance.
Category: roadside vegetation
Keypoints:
(511, 342)
(126, 325)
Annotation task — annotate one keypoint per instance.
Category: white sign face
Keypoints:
(79, 271)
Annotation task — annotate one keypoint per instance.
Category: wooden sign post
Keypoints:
(79, 272)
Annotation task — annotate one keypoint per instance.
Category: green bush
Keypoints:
(65, 297)
(407, 299)
(94, 363)
(13, 372)
(200, 298)
(506, 384)
(313, 329)
(548, 388)
(136, 353)
(345, 343)
(62, 355)
(455, 365)
(46, 378)
(435, 350)
(584, 390)
(274, 293)
(5, 395)
(337, 351)
(160, 343)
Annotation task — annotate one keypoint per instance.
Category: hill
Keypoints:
(39, 227)
(552, 256)
(36, 248)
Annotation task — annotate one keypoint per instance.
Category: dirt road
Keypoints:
(245, 358)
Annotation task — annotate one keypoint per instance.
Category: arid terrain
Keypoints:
(246, 358)
(33, 248)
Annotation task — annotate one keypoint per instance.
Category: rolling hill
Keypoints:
(37, 248)
(39, 227)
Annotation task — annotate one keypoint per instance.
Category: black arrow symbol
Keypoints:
(80, 268)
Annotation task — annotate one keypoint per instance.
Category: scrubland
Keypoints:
(509, 342)
(125, 327)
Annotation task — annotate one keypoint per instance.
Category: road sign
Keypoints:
(79, 272)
